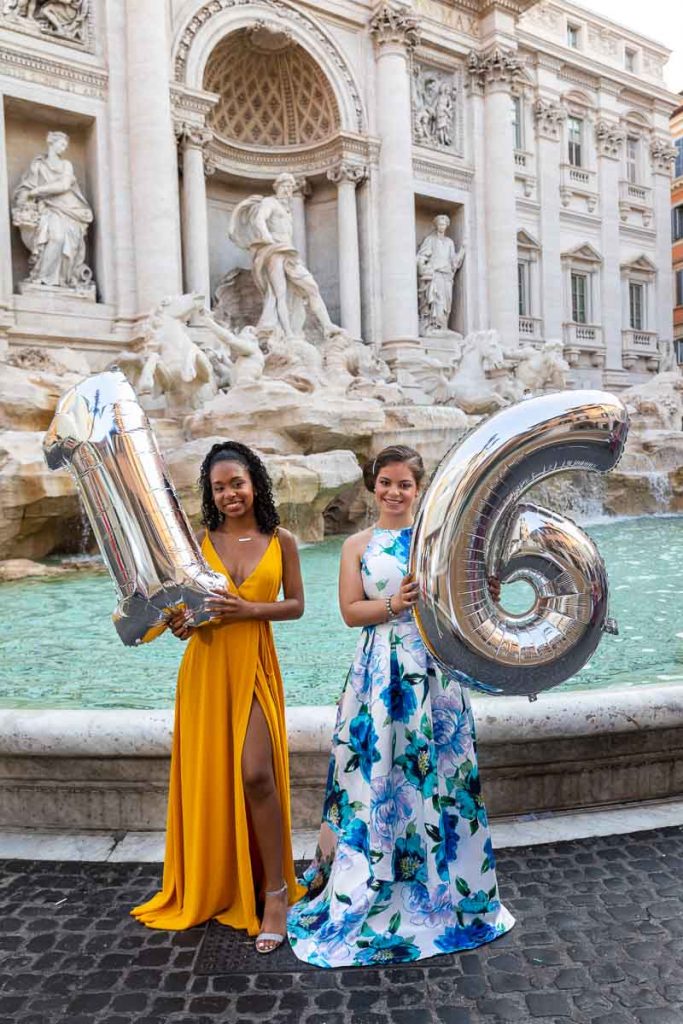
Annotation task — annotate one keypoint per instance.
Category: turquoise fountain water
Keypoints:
(59, 648)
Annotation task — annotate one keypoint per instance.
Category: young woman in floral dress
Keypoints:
(404, 867)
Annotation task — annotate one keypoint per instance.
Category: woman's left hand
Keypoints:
(225, 606)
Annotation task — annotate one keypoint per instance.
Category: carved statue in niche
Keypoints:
(263, 226)
(66, 18)
(53, 217)
(165, 361)
(438, 260)
(434, 97)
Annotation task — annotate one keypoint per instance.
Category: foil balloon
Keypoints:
(103, 436)
(471, 525)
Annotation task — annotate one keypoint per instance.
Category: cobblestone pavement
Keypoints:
(599, 940)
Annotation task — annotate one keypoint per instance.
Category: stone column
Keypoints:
(6, 285)
(153, 156)
(301, 192)
(194, 215)
(662, 155)
(395, 32)
(549, 117)
(494, 72)
(609, 138)
(346, 176)
(119, 185)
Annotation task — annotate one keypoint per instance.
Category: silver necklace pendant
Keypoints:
(241, 540)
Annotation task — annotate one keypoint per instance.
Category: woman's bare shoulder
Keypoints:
(356, 544)
(287, 539)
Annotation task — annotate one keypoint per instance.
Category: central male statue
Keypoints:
(263, 225)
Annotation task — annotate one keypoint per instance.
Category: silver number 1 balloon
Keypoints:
(102, 435)
(470, 525)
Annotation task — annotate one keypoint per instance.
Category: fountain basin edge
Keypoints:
(108, 769)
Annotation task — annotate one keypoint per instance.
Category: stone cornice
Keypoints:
(60, 74)
(428, 167)
(264, 164)
(583, 70)
(495, 68)
(191, 105)
(393, 25)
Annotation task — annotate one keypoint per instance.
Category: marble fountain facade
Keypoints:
(440, 263)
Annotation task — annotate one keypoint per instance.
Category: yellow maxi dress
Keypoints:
(212, 867)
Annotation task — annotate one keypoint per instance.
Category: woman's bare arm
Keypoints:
(355, 607)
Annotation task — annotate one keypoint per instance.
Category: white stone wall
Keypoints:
(132, 84)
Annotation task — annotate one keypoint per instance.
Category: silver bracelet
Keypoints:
(390, 611)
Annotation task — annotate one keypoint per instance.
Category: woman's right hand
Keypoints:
(407, 595)
(180, 623)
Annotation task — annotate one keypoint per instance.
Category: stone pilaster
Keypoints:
(548, 117)
(194, 215)
(346, 176)
(609, 138)
(395, 33)
(6, 284)
(493, 74)
(153, 159)
(662, 156)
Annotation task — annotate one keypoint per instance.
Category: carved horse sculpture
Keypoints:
(166, 360)
(467, 385)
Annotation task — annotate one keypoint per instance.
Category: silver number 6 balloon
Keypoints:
(470, 525)
(101, 433)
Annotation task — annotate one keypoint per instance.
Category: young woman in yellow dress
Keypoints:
(228, 840)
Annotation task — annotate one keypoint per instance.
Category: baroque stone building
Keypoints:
(677, 227)
(539, 129)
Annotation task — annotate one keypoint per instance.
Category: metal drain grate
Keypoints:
(227, 951)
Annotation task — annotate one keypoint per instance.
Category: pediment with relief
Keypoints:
(582, 253)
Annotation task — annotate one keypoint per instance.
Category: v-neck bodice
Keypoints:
(263, 580)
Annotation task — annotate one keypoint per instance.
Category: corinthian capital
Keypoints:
(608, 138)
(192, 135)
(393, 24)
(549, 117)
(495, 68)
(662, 153)
(347, 171)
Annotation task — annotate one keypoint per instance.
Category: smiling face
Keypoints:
(395, 491)
(232, 489)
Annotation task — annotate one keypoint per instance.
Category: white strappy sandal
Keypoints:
(271, 937)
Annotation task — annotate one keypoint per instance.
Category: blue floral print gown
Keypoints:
(404, 867)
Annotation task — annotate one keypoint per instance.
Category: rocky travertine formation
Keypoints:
(314, 411)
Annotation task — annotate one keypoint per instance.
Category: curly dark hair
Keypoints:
(267, 518)
(394, 453)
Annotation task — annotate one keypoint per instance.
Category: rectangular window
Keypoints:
(679, 287)
(632, 161)
(678, 169)
(517, 122)
(580, 298)
(636, 305)
(677, 223)
(575, 139)
(630, 60)
(523, 288)
(573, 36)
